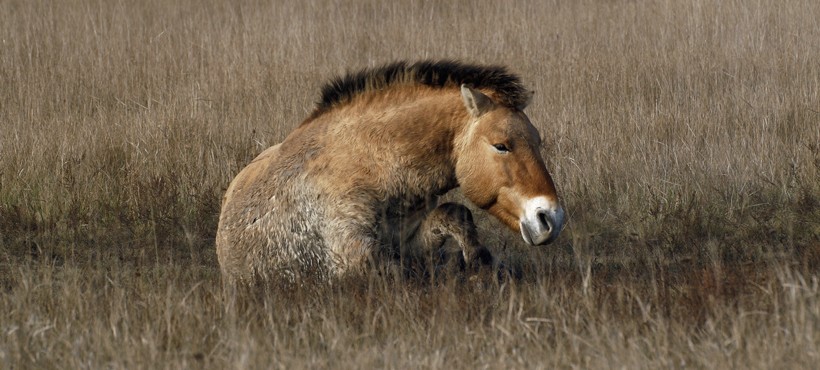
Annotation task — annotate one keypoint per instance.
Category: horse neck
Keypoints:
(436, 114)
(415, 121)
(447, 117)
(426, 126)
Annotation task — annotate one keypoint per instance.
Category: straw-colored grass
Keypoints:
(684, 138)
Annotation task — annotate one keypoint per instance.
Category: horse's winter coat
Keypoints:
(361, 176)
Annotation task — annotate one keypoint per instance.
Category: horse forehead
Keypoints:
(514, 124)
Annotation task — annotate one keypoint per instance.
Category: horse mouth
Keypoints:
(525, 234)
(537, 239)
(534, 237)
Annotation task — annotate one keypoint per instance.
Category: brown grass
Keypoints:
(684, 138)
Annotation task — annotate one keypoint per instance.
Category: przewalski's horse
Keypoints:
(363, 173)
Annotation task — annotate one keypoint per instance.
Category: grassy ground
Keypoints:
(683, 137)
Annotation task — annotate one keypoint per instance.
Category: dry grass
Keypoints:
(684, 138)
(171, 317)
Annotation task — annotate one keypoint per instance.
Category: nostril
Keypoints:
(544, 220)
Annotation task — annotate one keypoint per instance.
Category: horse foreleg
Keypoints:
(453, 221)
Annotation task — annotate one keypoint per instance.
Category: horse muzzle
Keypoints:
(542, 222)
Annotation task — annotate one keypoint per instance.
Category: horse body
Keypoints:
(362, 176)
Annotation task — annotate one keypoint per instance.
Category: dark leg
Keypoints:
(455, 221)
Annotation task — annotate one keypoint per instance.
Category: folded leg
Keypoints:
(453, 221)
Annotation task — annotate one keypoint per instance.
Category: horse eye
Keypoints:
(501, 148)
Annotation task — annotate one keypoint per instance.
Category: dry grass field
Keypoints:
(684, 137)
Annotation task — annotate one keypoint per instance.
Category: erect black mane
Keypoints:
(507, 86)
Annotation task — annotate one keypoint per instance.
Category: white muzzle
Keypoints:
(542, 221)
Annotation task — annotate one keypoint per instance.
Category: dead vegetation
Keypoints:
(683, 137)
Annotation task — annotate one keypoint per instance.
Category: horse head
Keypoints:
(500, 169)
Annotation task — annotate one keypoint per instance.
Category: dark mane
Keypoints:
(510, 92)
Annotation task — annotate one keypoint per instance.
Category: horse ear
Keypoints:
(476, 102)
(527, 100)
